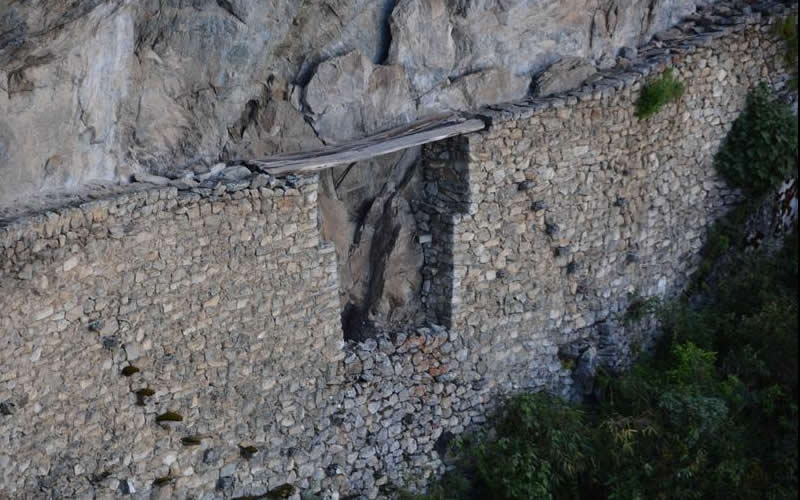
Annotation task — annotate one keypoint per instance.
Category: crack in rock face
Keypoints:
(100, 89)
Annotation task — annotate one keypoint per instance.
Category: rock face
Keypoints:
(564, 75)
(586, 370)
(475, 90)
(349, 96)
(366, 212)
(99, 89)
(522, 36)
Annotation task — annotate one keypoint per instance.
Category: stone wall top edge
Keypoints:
(702, 30)
(137, 195)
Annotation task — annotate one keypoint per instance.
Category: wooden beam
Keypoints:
(396, 139)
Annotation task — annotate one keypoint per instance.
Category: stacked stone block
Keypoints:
(225, 305)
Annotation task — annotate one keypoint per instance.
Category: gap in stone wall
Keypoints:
(446, 197)
(366, 211)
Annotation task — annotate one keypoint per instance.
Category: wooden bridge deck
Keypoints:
(416, 134)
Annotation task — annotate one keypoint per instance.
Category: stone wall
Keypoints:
(536, 232)
(226, 303)
(547, 225)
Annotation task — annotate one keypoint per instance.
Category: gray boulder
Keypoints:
(565, 75)
(232, 174)
(151, 179)
(350, 97)
(491, 86)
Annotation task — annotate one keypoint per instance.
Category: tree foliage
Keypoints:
(787, 31)
(711, 414)
(761, 149)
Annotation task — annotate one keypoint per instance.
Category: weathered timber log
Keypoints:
(396, 139)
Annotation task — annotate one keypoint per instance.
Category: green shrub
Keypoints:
(711, 414)
(787, 31)
(639, 308)
(692, 366)
(760, 151)
(540, 451)
(657, 93)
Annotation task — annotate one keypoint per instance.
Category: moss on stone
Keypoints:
(192, 440)
(248, 452)
(161, 481)
(170, 416)
(283, 491)
(130, 370)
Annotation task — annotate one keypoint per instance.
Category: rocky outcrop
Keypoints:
(475, 90)
(566, 74)
(98, 89)
(349, 96)
(519, 35)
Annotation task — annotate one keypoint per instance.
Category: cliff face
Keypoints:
(96, 89)
(100, 89)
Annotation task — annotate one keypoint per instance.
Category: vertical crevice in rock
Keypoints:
(228, 7)
(361, 219)
(385, 32)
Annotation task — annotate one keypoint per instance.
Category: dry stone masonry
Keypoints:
(187, 343)
(549, 223)
(225, 305)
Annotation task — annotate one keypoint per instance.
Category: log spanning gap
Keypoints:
(416, 134)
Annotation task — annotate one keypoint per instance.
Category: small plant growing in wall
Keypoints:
(282, 491)
(639, 307)
(657, 93)
(192, 440)
(143, 394)
(162, 481)
(248, 452)
(760, 151)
